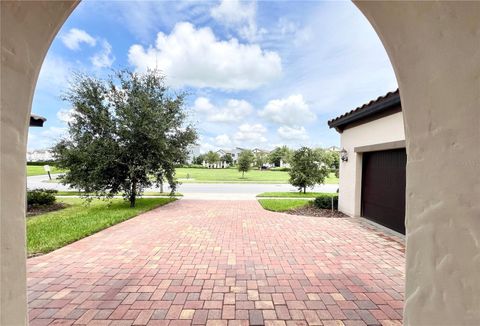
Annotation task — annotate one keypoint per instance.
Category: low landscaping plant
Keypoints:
(40, 197)
(285, 169)
(326, 201)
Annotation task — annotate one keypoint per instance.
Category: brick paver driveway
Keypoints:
(219, 262)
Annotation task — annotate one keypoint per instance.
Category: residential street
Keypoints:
(234, 191)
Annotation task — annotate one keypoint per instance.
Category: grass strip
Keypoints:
(53, 230)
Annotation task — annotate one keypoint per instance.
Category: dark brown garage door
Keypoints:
(383, 188)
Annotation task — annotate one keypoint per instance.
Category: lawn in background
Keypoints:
(54, 230)
(294, 194)
(283, 205)
(199, 175)
(39, 170)
(231, 175)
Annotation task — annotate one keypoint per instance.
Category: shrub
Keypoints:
(325, 201)
(280, 169)
(41, 197)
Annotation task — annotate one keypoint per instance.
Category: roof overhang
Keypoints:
(385, 105)
(36, 120)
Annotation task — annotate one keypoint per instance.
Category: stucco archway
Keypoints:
(435, 50)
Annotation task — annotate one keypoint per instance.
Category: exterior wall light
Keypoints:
(344, 155)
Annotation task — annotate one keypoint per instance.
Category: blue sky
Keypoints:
(258, 74)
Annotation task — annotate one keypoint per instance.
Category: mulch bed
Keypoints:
(37, 210)
(310, 210)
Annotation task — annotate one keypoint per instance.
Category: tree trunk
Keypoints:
(161, 187)
(243, 174)
(133, 193)
(304, 190)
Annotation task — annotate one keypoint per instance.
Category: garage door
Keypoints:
(383, 188)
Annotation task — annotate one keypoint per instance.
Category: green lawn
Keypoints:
(198, 175)
(231, 175)
(53, 230)
(293, 194)
(282, 205)
(39, 170)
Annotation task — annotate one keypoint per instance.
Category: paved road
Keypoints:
(194, 262)
(201, 190)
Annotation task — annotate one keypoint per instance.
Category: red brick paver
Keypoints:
(222, 263)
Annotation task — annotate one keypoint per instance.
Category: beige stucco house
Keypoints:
(373, 161)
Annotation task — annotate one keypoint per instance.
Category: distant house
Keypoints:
(373, 161)
(235, 152)
(40, 155)
(193, 151)
(333, 149)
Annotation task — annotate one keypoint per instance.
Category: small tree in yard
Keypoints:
(260, 159)
(227, 158)
(307, 169)
(127, 133)
(279, 154)
(245, 160)
(212, 157)
(199, 159)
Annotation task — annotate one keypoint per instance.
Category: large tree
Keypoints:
(127, 133)
(245, 161)
(307, 169)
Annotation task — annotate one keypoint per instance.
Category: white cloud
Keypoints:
(206, 147)
(223, 140)
(290, 111)
(203, 105)
(103, 58)
(240, 15)
(251, 133)
(292, 133)
(74, 37)
(65, 115)
(194, 57)
(54, 74)
(292, 30)
(233, 111)
(45, 138)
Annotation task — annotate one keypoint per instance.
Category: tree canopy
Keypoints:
(127, 133)
(307, 169)
(245, 160)
(227, 158)
(260, 159)
(212, 157)
(280, 154)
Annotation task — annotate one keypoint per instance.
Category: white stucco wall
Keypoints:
(383, 130)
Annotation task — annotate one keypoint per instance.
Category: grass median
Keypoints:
(50, 231)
